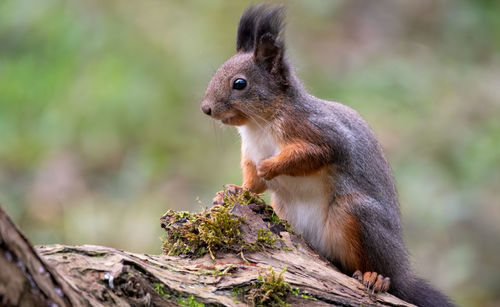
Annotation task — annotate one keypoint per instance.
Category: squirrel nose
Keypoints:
(206, 109)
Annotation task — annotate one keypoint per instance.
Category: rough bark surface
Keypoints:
(25, 278)
(100, 276)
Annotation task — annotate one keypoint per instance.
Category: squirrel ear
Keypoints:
(268, 52)
(269, 48)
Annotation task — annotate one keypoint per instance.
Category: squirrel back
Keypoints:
(325, 169)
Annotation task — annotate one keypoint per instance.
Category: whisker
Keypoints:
(253, 115)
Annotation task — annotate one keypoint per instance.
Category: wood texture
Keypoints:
(25, 278)
(100, 276)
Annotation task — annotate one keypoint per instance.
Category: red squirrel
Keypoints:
(327, 173)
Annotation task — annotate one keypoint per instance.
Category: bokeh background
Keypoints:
(101, 132)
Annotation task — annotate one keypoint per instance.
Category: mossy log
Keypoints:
(61, 275)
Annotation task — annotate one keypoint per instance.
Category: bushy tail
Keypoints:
(420, 293)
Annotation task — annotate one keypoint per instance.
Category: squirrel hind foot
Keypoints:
(373, 281)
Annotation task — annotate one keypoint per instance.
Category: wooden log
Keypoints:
(62, 275)
(25, 278)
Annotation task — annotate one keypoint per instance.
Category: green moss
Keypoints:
(303, 294)
(189, 302)
(181, 237)
(275, 220)
(271, 289)
(239, 293)
(244, 197)
(200, 233)
(217, 229)
(224, 271)
(307, 296)
(265, 239)
(160, 290)
(182, 300)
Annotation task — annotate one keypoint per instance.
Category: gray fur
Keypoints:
(356, 161)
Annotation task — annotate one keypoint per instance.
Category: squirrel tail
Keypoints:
(420, 293)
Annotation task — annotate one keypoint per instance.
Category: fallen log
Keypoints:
(267, 265)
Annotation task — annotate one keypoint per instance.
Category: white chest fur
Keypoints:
(257, 142)
(300, 200)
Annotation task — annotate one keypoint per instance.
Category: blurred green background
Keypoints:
(101, 132)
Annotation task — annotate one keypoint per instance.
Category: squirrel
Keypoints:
(327, 173)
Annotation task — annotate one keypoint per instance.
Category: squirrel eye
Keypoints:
(239, 84)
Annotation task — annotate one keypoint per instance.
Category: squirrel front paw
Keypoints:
(266, 169)
(373, 281)
(221, 195)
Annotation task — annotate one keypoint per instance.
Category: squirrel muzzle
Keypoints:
(206, 108)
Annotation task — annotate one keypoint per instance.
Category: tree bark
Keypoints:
(61, 275)
(25, 278)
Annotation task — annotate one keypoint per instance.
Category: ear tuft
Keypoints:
(245, 38)
(270, 22)
(260, 31)
(255, 22)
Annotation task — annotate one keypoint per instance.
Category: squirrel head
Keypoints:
(251, 84)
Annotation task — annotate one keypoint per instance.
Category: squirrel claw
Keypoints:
(358, 275)
(372, 280)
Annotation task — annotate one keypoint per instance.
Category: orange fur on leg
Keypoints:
(345, 230)
(298, 158)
